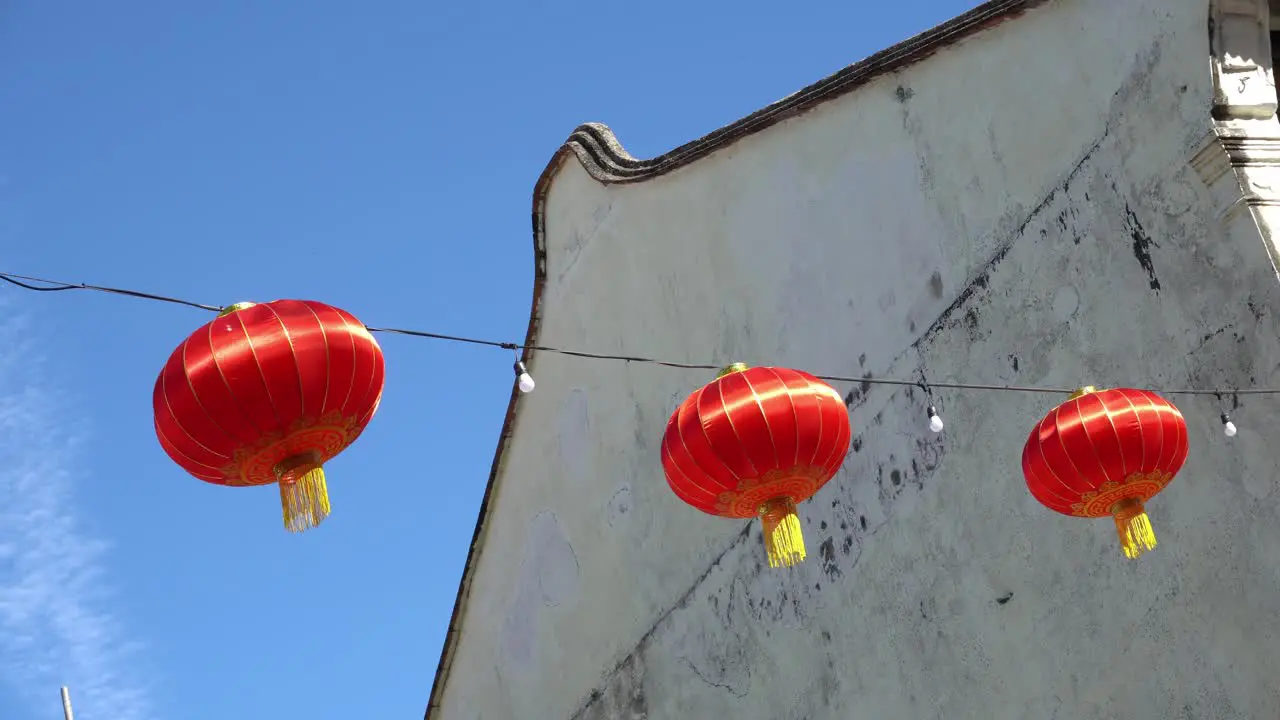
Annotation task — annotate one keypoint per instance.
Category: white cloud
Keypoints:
(55, 624)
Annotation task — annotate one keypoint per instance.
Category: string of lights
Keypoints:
(526, 383)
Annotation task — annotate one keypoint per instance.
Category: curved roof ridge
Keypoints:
(605, 158)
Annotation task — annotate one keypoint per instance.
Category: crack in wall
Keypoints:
(711, 683)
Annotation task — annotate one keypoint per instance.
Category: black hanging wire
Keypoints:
(36, 284)
(54, 286)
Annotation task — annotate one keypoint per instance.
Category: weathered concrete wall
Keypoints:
(1033, 206)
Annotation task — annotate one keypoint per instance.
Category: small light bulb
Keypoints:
(935, 422)
(523, 379)
(1228, 427)
(526, 383)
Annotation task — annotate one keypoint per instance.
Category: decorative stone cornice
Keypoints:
(1211, 161)
(1240, 46)
(1246, 135)
(1252, 151)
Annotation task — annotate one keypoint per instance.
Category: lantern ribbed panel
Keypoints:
(265, 383)
(1106, 452)
(754, 435)
(1104, 446)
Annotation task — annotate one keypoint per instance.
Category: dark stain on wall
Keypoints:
(1142, 244)
(855, 396)
(827, 551)
(623, 698)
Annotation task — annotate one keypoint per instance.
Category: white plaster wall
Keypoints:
(1017, 209)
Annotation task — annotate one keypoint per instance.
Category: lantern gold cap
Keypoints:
(235, 307)
(730, 369)
(1086, 390)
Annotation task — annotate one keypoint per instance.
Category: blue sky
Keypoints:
(378, 156)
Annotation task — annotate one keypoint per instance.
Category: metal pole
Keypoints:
(66, 704)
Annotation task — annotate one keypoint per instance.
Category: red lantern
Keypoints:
(267, 393)
(1107, 452)
(755, 442)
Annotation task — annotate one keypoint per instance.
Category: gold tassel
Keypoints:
(783, 538)
(304, 496)
(1134, 528)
